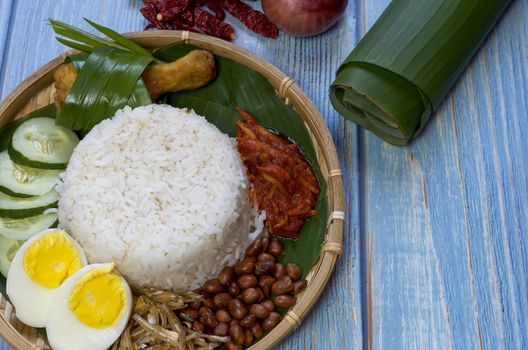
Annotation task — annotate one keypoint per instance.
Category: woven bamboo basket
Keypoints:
(36, 92)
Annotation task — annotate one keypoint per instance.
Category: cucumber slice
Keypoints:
(8, 249)
(28, 227)
(19, 208)
(20, 181)
(39, 143)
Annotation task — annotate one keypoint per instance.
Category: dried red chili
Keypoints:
(194, 15)
(211, 25)
(281, 180)
(254, 20)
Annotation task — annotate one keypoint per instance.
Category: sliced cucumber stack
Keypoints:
(19, 208)
(26, 228)
(39, 143)
(20, 181)
(8, 249)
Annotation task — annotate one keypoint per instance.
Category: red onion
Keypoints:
(304, 17)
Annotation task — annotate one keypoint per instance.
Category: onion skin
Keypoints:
(304, 17)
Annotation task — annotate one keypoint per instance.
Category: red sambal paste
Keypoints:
(281, 180)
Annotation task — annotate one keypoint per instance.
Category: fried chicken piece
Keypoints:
(192, 71)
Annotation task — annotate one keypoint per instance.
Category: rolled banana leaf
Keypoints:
(405, 65)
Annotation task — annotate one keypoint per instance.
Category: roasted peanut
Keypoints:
(271, 321)
(264, 267)
(223, 316)
(221, 300)
(237, 334)
(265, 283)
(285, 300)
(244, 267)
(299, 286)
(268, 304)
(280, 270)
(249, 338)
(247, 281)
(198, 326)
(222, 329)
(250, 295)
(255, 248)
(233, 289)
(213, 287)
(282, 285)
(257, 330)
(209, 319)
(259, 310)
(294, 271)
(275, 248)
(226, 276)
(208, 302)
(190, 313)
(266, 257)
(230, 345)
(237, 309)
(248, 321)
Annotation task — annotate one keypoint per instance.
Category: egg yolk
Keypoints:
(51, 259)
(98, 298)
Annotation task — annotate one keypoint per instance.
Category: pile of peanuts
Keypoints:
(241, 302)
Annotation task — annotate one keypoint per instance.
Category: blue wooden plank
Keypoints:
(5, 22)
(336, 320)
(445, 260)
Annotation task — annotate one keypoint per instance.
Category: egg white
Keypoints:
(31, 300)
(66, 332)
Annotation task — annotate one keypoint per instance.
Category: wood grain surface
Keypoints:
(435, 253)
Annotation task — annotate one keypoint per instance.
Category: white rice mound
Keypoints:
(162, 193)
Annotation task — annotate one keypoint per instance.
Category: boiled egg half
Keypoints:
(90, 310)
(38, 269)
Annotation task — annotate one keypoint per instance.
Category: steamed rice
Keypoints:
(162, 193)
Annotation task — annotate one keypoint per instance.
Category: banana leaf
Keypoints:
(104, 84)
(403, 68)
(140, 95)
(237, 85)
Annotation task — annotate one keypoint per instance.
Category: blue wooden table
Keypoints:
(436, 248)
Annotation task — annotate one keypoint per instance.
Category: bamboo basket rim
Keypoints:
(24, 98)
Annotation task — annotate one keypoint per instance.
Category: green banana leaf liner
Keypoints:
(403, 68)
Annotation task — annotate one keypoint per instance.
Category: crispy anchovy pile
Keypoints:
(206, 16)
(155, 325)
